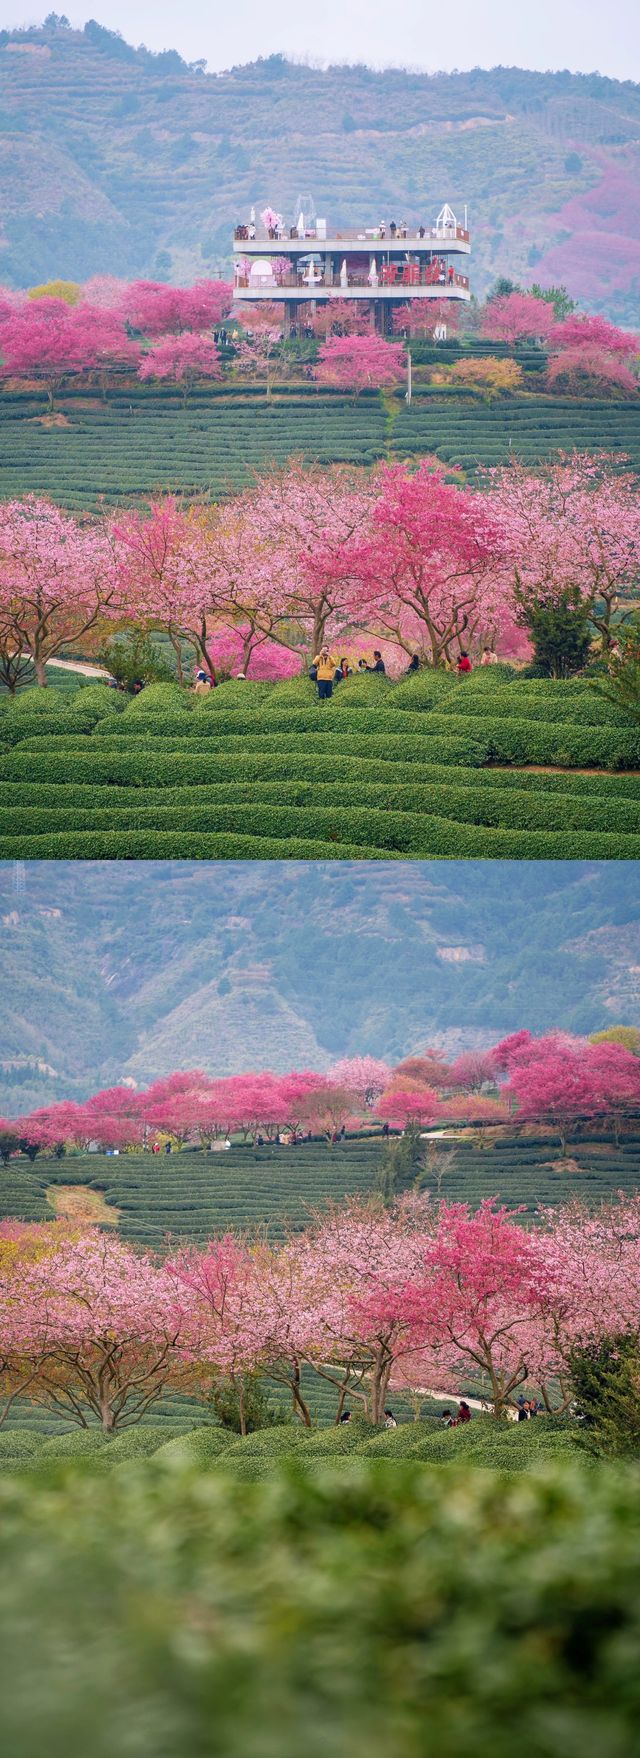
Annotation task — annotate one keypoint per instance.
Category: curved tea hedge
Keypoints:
(433, 765)
(141, 439)
(191, 1195)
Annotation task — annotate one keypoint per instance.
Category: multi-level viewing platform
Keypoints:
(384, 265)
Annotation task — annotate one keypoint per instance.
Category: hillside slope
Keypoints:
(151, 966)
(138, 442)
(113, 158)
(193, 1195)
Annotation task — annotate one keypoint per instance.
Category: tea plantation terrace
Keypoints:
(493, 765)
(483, 1443)
(192, 1195)
(143, 440)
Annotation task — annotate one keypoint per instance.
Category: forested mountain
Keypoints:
(131, 969)
(115, 158)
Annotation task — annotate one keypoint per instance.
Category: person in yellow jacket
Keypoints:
(325, 667)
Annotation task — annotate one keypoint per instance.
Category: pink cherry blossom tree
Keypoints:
(103, 1323)
(592, 1266)
(184, 359)
(259, 349)
(107, 292)
(49, 339)
(357, 363)
(42, 339)
(302, 525)
(222, 1332)
(510, 1049)
(330, 1108)
(555, 1082)
(176, 570)
(590, 371)
(403, 1107)
(591, 330)
(571, 523)
(427, 570)
(517, 317)
(367, 1263)
(420, 318)
(472, 1070)
(365, 1077)
(247, 648)
(58, 575)
(156, 309)
(338, 317)
(481, 1300)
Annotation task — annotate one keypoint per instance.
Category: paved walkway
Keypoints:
(88, 671)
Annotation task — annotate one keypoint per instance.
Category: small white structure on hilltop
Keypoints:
(383, 265)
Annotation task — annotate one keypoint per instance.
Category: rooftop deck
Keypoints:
(349, 239)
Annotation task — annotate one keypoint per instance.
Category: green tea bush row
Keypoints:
(470, 734)
(276, 833)
(194, 1194)
(247, 761)
(146, 845)
(470, 805)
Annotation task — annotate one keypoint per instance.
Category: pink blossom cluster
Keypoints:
(416, 1295)
(586, 350)
(401, 559)
(556, 1079)
(160, 331)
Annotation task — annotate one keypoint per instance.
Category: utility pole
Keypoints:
(19, 878)
(408, 389)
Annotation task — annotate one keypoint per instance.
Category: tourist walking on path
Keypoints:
(325, 667)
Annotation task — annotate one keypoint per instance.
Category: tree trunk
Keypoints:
(106, 1415)
(41, 672)
(202, 645)
(247, 650)
(177, 648)
(380, 1385)
(319, 626)
(301, 1407)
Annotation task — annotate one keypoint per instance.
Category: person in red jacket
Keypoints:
(464, 1413)
(464, 662)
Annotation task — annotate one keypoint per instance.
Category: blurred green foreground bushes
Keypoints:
(383, 1610)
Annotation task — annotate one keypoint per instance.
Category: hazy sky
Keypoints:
(584, 35)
